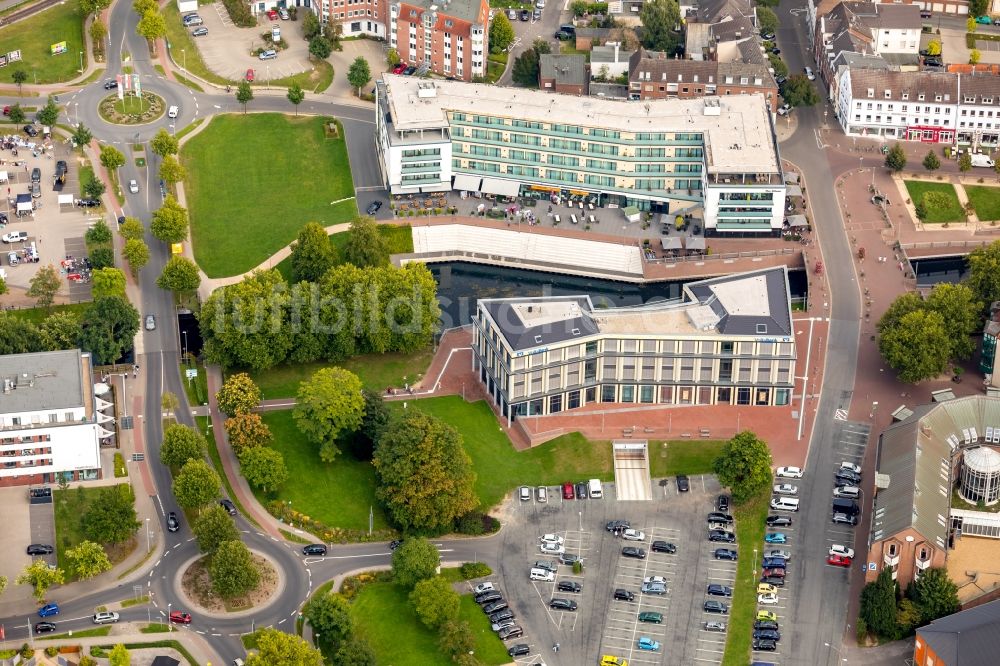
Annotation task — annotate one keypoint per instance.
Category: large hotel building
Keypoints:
(729, 340)
(715, 157)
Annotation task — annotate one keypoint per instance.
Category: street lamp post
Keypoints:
(842, 657)
(185, 334)
(149, 545)
(184, 59)
(170, 626)
(81, 61)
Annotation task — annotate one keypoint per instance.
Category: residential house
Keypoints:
(888, 30)
(911, 106)
(447, 37)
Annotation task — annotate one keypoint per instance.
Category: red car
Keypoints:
(180, 617)
(838, 561)
(568, 491)
(777, 573)
(399, 69)
(6, 109)
(250, 75)
(272, 14)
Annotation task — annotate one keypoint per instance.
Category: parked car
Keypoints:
(623, 595)
(191, 19)
(581, 490)
(634, 535)
(651, 616)
(880, 200)
(88, 203)
(775, 537)
(173, 524)
(778, 552)
(838, 549)
(525, 15)
(283, 13)
(548, 565)
(984, 20)
(409, 70)
(488, 597)
(764, 645)
(778, 521)
(495, 606)
(567, 491)
(562, 604)
(773, 572)
(638, 553)
(613, 525)
(30, 130)
(809, 73)
(562, 36)
(721, 536)
(250, 75)
(269, 54)
(486, 586)
(722, 503)
(766, 588)
(551, 538)
(180, 617)
(40, 549)
(569, 586)
(683, 484)
(766, 615)
(15, 237)
(663, 547)
(844, 519)
(719, 517)
(519, 650)
(502, 615)
(774, 563)
(511, 632)
(767, 634)
(48, 610)
(777, 581)
(765, 624)
(725, 554)
(647, 643)
(199, 32)
(715, 626)
(767, 599)
(789, 472)
(314, 549)
(552, 548)
(373, 207)
(838, 561)
(503, 624)
(847, 477)
(785, 489)
(713, 606)
(716, 590)
(654, 588)
(105, 617)
(541, 492)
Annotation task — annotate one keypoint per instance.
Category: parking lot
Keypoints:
(603, 625)
(64, 225)
(227, 49)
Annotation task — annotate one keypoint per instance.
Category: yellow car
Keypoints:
(608, 660)
(766, 588)
(767, 615)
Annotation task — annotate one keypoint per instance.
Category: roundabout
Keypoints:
(194, 585)
(132, 110)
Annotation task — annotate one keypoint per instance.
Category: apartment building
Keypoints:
(966, 638)
(718, 153)
(653, 75)
(888, 30)
(355, 17)
(729, 340)
(448, 37)
(51, 425)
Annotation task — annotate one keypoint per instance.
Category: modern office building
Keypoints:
(50, 420)
(729, 340)
(716, 157)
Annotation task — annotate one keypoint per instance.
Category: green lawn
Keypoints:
(383, 614)
(953, 213)
(196, 388)
(33, 37)
(315, 80)
(69, 507)
(377, 371)
(254, 155)
(683, 457)
(86, 633)
(38, 315)
(986, 201)
(398, 237)
(338, 494)
(749, 535)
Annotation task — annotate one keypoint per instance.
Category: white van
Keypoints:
(542, 575)
(785, 503)
(595, 489)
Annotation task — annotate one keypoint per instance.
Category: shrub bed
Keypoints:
(240, 14)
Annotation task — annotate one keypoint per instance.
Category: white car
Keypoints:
(809, 74)
(655, 579)
(633, 535)
(778, 552)
(552, 548)
(551, 538)
(785, 489)
(15, 237)
(768, 599)
(784, 109)
(851, 466)
(789, 472)
(483, 587)
(719, 526)
(105, 618)
(843, 551)
(133, 187)
(172, 112)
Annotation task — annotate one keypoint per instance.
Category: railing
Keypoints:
(724, 255)
(928, 245)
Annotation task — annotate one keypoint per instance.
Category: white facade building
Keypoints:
(50, 419)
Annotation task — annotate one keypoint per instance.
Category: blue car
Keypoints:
(775, 537)
(48, 610)
(646, 643)
(775, 563)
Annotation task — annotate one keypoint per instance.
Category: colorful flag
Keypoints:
(121, 86)
(136, 85)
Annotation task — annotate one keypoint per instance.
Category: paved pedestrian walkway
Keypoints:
(196, 644)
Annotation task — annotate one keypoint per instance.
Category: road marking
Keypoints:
(841, 415)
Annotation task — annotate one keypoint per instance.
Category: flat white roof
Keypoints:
(737, 128)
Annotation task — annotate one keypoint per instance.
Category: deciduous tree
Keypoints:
(457, 639)
(964, 163)
(895, 159)
(329, 615)
(136, 253)
(355, 651)
(180, 275)
(661, 20)
(131, 228)
(931, 161)
(744, 465)
(213, 527)
(238, 395)
(111, 518)
(392, 57)
(978, 7)
(935, 594)
(60, 330)
(98, 33)
(295, 96)
(957, 305)
(934, 46)
(359, 74)
(171, 170)
(247, 431)
(244, 94)
(164, 143)
(108, 327)
(81, 135)
(501, 33)
(94, 6)
(88, 559)
(19, 76)
(108, 282)
(415, 560)
(119, 655)
(111, 157)
(277, 647)
(19, 336)
(196, 485)
(798, 91)
(984, 272)
(40, 577)
(767, 20)
(16, 115)
(319, 47)
(170, 402)
(102, 257)
(918, 348)
(98, 234)
(170, 221)
(435, 602)
(425, 477)
(234, 572)
(49, 113)
(263, 467)
(152, 25)
(312, 253)
(878, 605)
(330, 404)
(44, 285)
(373, 425)
(180, 444)
(365, 245)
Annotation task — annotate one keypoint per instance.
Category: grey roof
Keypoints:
(869, 17)
(568, 69)
(42, 381)
(608, 90)
(763, 309)
(979, 86)
(163, 660)
(465, 10)
(860, 60)
(671, 70)
(712, 11)
(753, 71)
(520, 336)
(733, 29)
(968, 638)
(911, 452)
(913, 84)
(752, 54)
(605, 54)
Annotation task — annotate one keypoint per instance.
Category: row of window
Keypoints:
(53, 417)
(663, 395)
(461, 117)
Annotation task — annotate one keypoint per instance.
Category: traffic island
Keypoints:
(199, 592)
(133, 109)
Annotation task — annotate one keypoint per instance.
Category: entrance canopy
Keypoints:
(505, 188)
(467, 182)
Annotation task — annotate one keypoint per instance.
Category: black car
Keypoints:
(111, 84)
(519, 650)
(613, 525)
(631, 551)
(722, 503)
(500, 616)
(409, 70)
(36, 175)
(767, 634)
(721, 536)
(778, 521)
(847, 477)
(777, 581)
(228, 506)
(569, 558)
(314, 549)
(61, 169)
(624, 595)
(395, 543)
(489, 609)
(3, 218)
(569, 586)
(373, 207)
(525, 15)
(172, 523)
(765, 624)
(30, 130)
(775, 50)
(488, 597)
(932, 62)
(716, 590)
(683, 485)
(40, 549)
(581, 490)
(725, 554)
(88, 203)
(44, 627)
(767, 36)
(719, 517)
(562, 604)
(765, 645)
(664, 547)
(712, 606)
(562, 36)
